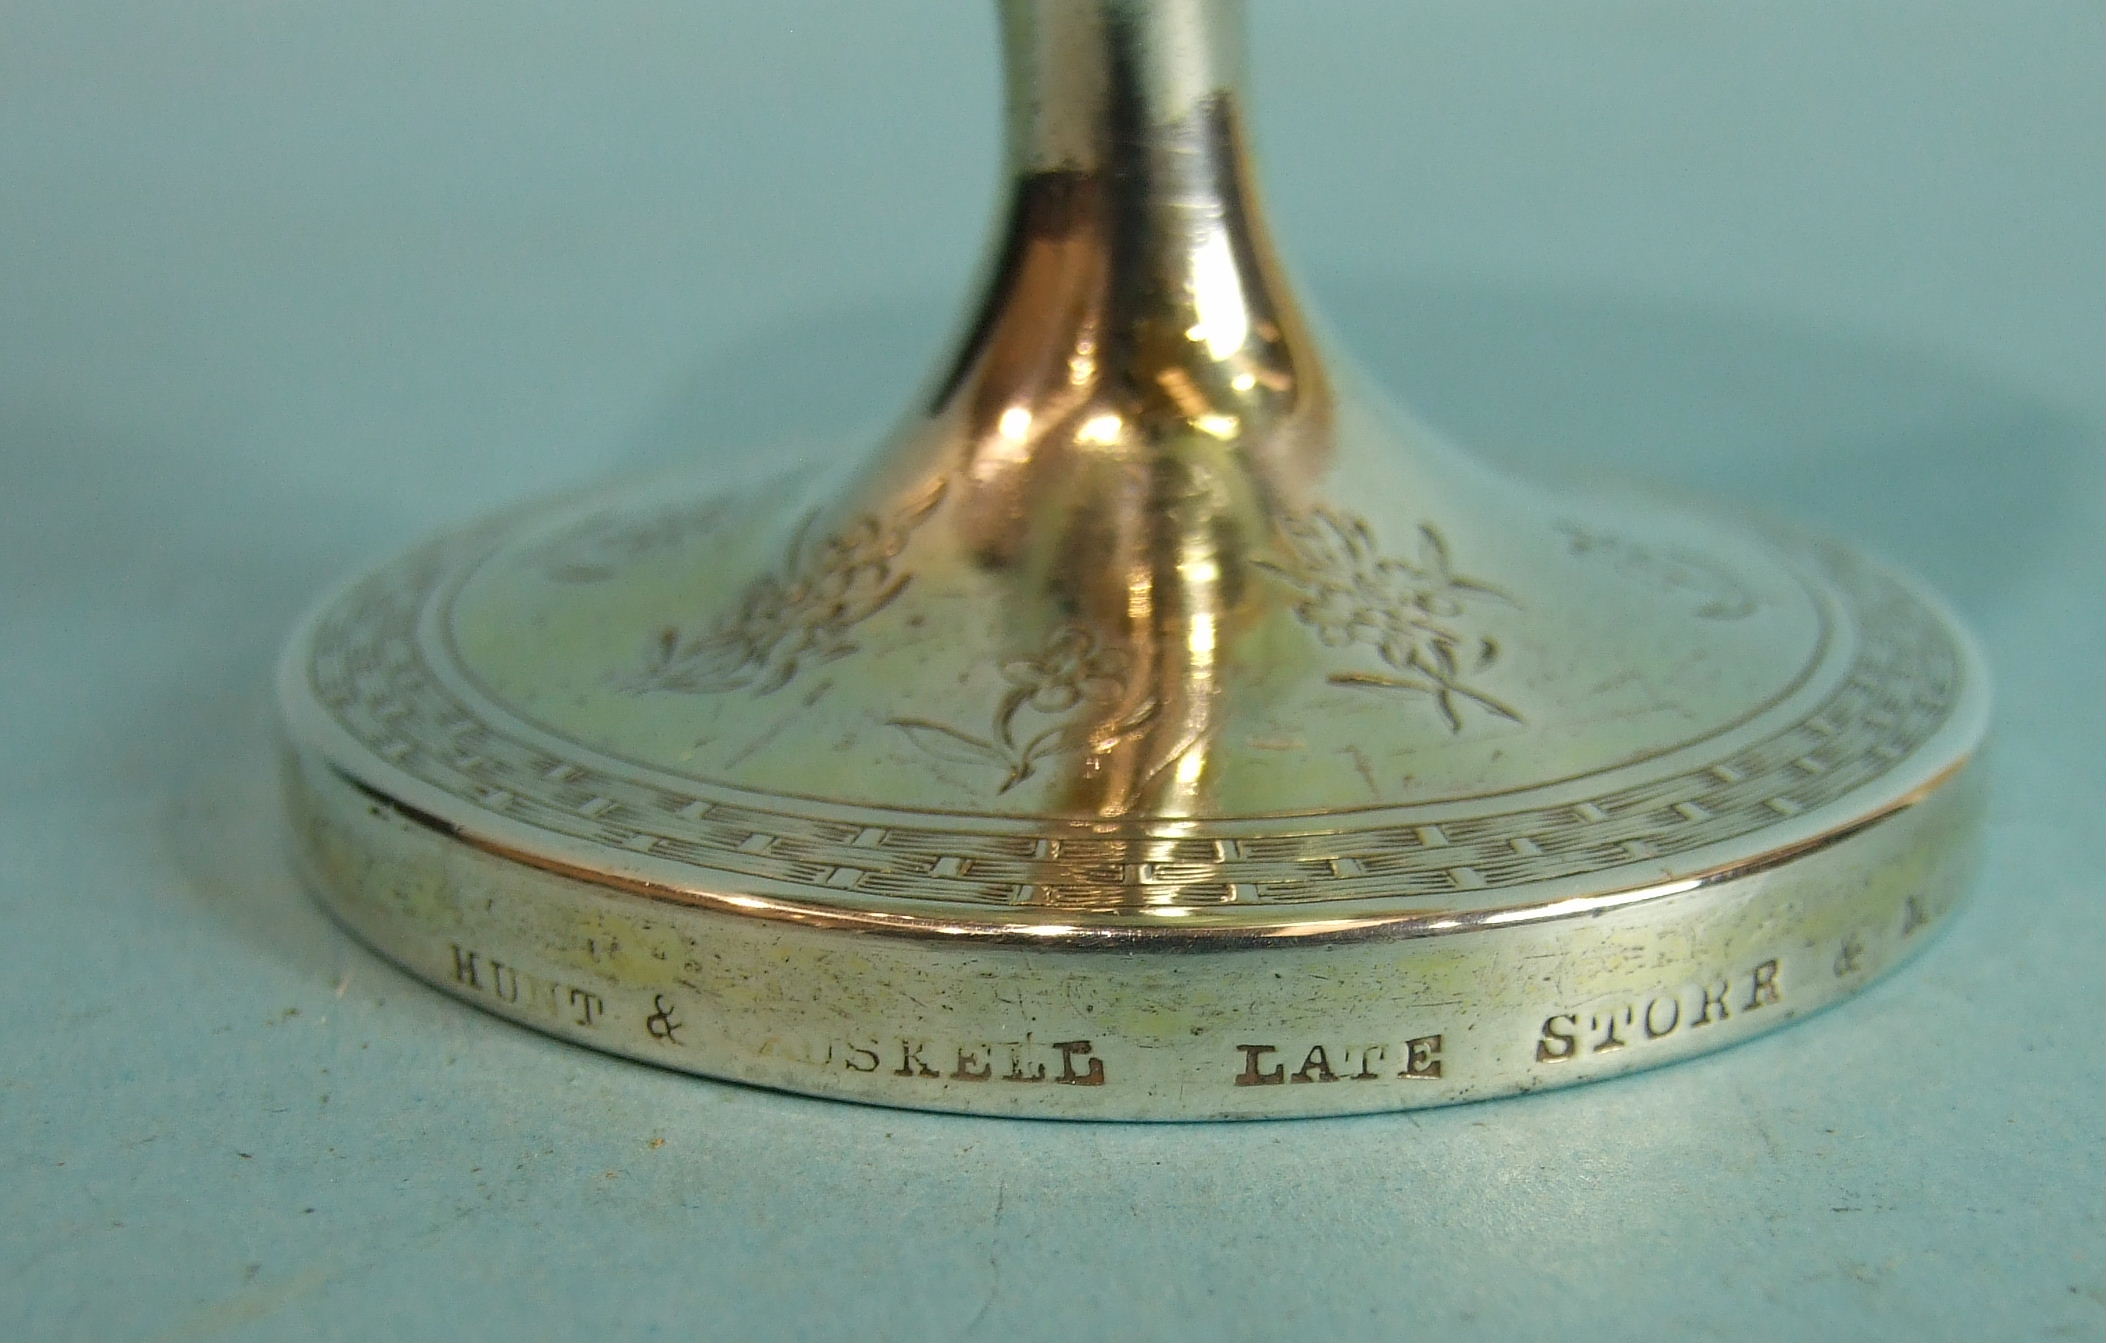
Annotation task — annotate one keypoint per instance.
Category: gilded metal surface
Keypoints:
(1158, 726)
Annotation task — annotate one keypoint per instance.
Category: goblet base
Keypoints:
(490, 787)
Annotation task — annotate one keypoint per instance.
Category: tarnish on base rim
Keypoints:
(1324, 1022)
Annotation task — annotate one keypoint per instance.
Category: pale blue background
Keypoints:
(284, 285)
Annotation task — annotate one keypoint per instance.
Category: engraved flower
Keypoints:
(1069, 672)
(1388, 606)
(1335, 613)
(765, 609)
(1070, 668)
(1402, 609)
(802, 615)
(1429, 591)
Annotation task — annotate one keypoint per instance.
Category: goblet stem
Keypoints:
(1134, 260)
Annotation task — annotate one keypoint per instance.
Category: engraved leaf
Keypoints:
(1494, 706)
(1433, 553)
(910, 517)
(1359, 541)
(1462, 584)
(1126, 726)
(879, 600)
(1377, 681)
(1018, 772)
(777, 678)
(1446, 700)
(1486, 702)
(1054, 740)
(799, 536)
(1005, 716)
(1443, 668)
(1434, 560)
(1075, 736)
(686, 666)
(948, 743)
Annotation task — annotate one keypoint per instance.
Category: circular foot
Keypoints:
(776, 795)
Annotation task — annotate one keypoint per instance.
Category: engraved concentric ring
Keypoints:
(410, 726)
(438, 624)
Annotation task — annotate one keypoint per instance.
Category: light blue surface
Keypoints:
(283, 286)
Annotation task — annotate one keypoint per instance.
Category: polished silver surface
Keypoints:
(1159, 725)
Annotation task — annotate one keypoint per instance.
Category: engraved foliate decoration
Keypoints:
(1409, 613)
(800, 616)
(390, 689)
(1053, 706)
(1113, 793)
